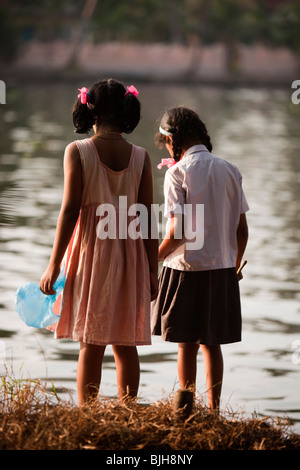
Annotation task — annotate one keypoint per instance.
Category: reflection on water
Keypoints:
(256, 129)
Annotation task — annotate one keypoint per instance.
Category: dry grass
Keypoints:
(29, 420)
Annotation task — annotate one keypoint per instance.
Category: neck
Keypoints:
(106, 130)
(108, 133)
(190, 144)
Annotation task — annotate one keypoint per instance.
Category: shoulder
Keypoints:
(72, 154)
(225, 164)
(232, 167)
(175, 175)
(73, 147)
(79, 145)
(139, 151)
(141, 154)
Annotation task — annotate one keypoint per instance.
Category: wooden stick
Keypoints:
(241, 267)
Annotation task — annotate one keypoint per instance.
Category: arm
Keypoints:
(175, 197)
(145, 197)
(70, 208)
(242, 238)
(170, 241)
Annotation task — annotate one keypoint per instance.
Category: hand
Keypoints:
(154, 285)
(238, 273)
(48, 279)
(239, 268)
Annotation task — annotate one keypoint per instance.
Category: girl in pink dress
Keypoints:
(111, 272)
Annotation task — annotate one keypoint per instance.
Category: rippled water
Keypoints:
(258, 129)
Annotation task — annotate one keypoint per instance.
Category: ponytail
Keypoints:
(83, 118)
(131, 112)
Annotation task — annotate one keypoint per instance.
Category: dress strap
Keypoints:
(139, 154)
(89, 166)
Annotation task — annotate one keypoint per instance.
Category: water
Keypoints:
(258, 129)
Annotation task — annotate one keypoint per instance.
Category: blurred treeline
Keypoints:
(272, 22)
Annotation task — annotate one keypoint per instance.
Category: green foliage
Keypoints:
(272, 22)
(285, 26)
(115, 20)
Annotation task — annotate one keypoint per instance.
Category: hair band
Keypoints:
(162, 131)
(83, 95)
(132, 90)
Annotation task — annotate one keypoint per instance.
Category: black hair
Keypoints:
(184, 125)
(108, 104)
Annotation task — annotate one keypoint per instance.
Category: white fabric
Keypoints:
(162, 131)
(202, 179)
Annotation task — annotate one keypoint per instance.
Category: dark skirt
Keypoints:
(197, 307)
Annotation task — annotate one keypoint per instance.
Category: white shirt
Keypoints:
(201, 180)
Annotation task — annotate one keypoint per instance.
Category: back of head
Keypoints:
(185, 126)
(108, 104)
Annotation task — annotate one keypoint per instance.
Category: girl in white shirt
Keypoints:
(206, 236)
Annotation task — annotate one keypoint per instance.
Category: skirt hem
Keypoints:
(105, 343)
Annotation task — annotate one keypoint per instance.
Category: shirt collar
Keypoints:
(195, 149)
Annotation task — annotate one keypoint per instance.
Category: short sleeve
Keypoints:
(244, 203)
(174, 194)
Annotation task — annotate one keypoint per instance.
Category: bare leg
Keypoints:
(128, 370)
(89, 371)
(213, 363)
(187, 364)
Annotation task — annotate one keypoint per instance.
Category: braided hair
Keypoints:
(184, 125)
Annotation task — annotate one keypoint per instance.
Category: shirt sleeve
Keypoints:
(244, 203)
(174, 194)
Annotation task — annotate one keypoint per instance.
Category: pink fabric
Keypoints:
(166, 161)
(83, 95)
(106, 299)
(133, 90)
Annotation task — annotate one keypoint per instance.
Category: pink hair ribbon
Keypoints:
(131, 89)
(83, 95)
(166, 161)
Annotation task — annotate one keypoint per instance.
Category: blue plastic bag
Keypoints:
(36, 308)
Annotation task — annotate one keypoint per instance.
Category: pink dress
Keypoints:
(106, 299)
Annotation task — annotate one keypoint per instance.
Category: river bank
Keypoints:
(64, 60)
(29, 420)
